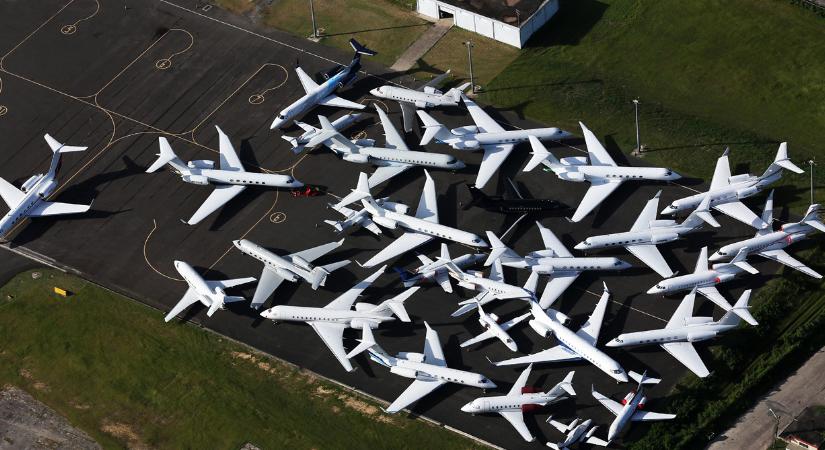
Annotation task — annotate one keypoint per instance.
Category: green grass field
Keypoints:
(121, 374)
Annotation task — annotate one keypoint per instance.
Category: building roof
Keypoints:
(809, 427)
(501, 10)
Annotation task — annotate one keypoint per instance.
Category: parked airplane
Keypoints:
(493, 329)
(705, 279)
(230, 180)
(428, 369)
(437, 270)
(771, 244)
(299, 142)
(391, 160)
(575, 433)
(630, 410)
(420, 229)
(425, 97)
(30, 199)
(492, 287)
(209, 292)
(291, 267)
(486, 134)
(519, 205)
(331, 320)
(573, 346)
(362, 217)
(601, 171)
(324, 94)
(726, 191)
(555, 260)
(683, 329)
(647, 232)
(520, 399)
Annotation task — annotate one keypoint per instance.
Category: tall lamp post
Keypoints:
(638, 139)
(469, 45)
(812, 163)
(314, 27)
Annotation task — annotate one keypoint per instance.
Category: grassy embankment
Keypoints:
(121, 374)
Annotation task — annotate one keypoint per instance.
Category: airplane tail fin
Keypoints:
(781, 161)
(498, 250)
(293, 141)
(407, 278)
(57, 147)
(361, 191)
(739, 311)
(540, 154)
(361, 49)
(454, 94)
(445, 252)
(366, 342)
(318, 275)
(643, 378)
(335, 224)
(566, 385)
(740, 260)
(432, 129)
(812, 218)
(702, 214)
(767, 213)
(166, 156)
(532, 283)
(396, 304)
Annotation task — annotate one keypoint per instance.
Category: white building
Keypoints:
(495, 19)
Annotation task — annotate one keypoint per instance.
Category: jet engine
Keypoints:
(529, 407)
(421, 104)
(363, 306)
(627, 398)
(395, 207)
(196, 179)
(559, 317)
(364, 142)
(285, 274)
(723, 277)
(661, 238)
(574, 161)
(642, 402)
(796, 237)
(360, 324)
(739, 178)
(461, 131)
(300, 262)
(201, 164)
(572, 176)
(384, 222)
(45, 189)
(700, 336)
(539, 328)
(411, 356)
(661, 223)
(747, 192)
(357, 158)
(494, 317)
(404, 372)
(698, 320)
(431, 90)
(28, 184)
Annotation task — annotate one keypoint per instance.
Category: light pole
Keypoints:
(638, 139)
(518, 18)
(314, 27)
(776, 427)
(469, 45)
(812, 163)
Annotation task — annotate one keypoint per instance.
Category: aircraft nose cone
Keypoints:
(652, 290)
(581, 245)
(297, 184)
(715, 257)
(375, 92)
(612, 343)
(622, 377)
(468, 407)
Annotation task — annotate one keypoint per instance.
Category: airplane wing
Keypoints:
(712, 294)
(555, 287)
(433, 353)
(611, 405)
(516, 419)
(394, 139)
(494, 156)
(222, 194)
(552, 242)
(338, 102)
(590, 330)
(311, 254)
(483, 121)
(427, 204)
(408, 114)
(189, 298)
(593, 440)
(514, 321)
(686, 354)
(11, 195)
(650, 255)
(558, 353)
(646, 416)
(599, 190)
(345, 300)
(647, 215)
(333, 336)
(488, 334)
(424, 259)
(596, 152)
(417, 390)
(306, 81)
(521, 381)
(683, 312)
(782, 257)
(721, 174)
(384, 173)
(56, 209)
(702, 261)
(436, 80)
(443, 280)
(266, 286)
(737, 210)
(229, 158)
(226, 284)
(496, 271)
(403, 244)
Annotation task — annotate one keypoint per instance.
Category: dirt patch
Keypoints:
(124, 432)
(27, 423)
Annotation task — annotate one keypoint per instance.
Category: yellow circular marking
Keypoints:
(72, 28)
(68, 29)
(277, 217)
(146, 258)
(163, 63)
(256, 99)
(3, 110)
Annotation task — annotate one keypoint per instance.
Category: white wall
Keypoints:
(428, 8)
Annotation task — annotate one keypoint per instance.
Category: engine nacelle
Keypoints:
(543, 269)
(422, 104)
(47, 188)
(572, 176)
(539, 328)
(411, 356)
(738, 178)
(698, 320)
(530, 407)
(201, 164)
(403, 371)
(461, 131)
(301, 262)
(364, 142)
(285, 274)
(530, 390)
(494, 317)
(574, 161)
(360, 324)
(384, 222)
(661, 238)
(796, 237)
(747, 192)
(357, 158)
(470, 144)
(627, 398)
(363, 306)
(700, 336)
(724, 277)
(196, 179)
(431, 90)
(28, 184)
(395, 207)
(642, 402)
(661, 223)
(559, 317)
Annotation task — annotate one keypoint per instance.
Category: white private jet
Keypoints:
(230, 180)
(428, 369)
(771, 244)
(520, 399)
(30, 199)
(324, 94)
(630, 409)
(209, 292)
(425, 97)
(683, 329)
(575, 433)
(555, 260)
(299, 142)
(430, 270)
(391, 160)
(573, 346)
(331, 320)
(601, 171)
(292, 267)
(361, 217)
(726, 191)
(647, 232)
(493, 329)
(491, 287)
(420, 229)
(486, 134)
(704, 279)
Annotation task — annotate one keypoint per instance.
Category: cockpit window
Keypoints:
(617, 371)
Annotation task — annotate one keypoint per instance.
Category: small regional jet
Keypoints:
(324, 94)
(518, 205)
(493, 329)
(601, 171)
(428, 369)
(361, 217)
(683, 329)
(492, 287)
(30, 199)
(437, 270)
(520, 399)
(575, 433)
(573, 346)
(331, 320)
(209, 292)
(486, 134)
(299, 142)
(555, 260)
(391, 160)
(705, 279)
(726, 191)
(630, 409)
(425, 97)
(230, 180)
(771, 244)
(647, 232)
(420, 229)
(292, 267)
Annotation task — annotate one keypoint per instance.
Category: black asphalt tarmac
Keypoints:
(115, 75)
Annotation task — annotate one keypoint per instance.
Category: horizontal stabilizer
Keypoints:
(361, 49)
(57, 147)
(643, 378)
(367, 341)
